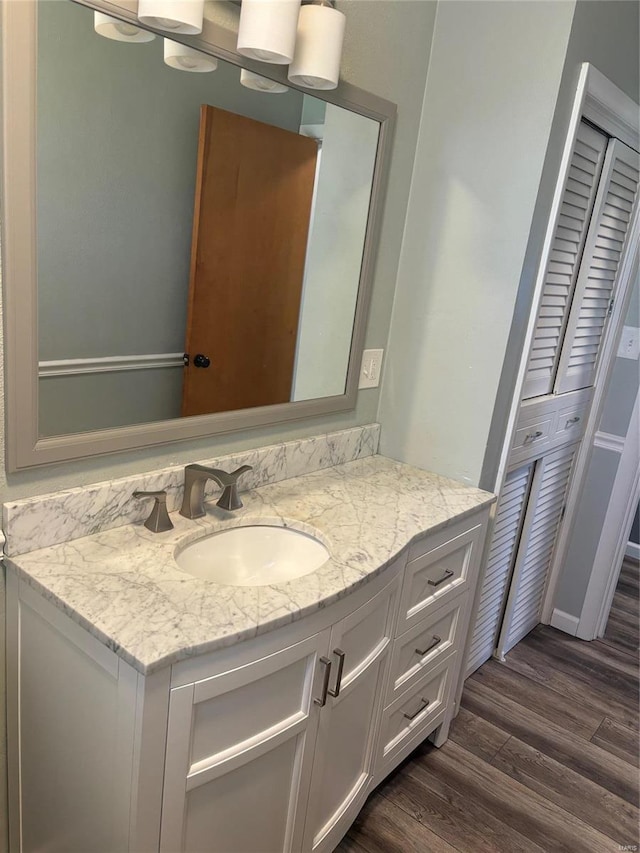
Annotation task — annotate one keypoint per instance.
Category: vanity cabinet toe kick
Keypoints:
(271, 745)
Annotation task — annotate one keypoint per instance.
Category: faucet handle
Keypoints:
(158, 520)
(229, 499)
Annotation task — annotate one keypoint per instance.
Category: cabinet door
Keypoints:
(564, 260)
(502, 553)
(607, 240)
(239, 752)
(535, 551)
(345, 748)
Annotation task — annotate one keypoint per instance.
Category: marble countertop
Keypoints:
(126, 589)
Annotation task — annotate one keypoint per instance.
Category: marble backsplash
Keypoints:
(45, 520)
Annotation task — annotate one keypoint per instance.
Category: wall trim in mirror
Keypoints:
(26, 447)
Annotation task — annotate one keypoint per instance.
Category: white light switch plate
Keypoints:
(629, 346)
(371, 368)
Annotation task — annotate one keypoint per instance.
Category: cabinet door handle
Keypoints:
(445, 577)
(322, 701)
(532, 436)
(432, 645)
(572, 421)
(336, 690)
(425, 703)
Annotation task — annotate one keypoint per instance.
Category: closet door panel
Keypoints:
(537, 543)
(506, 530)
(566, 252)
(606, 242)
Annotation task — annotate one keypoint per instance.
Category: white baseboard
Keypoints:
(633, 550)
(564, 622)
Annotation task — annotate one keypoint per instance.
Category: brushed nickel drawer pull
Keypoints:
(322, 701)
(341, 656)
(425, 703)
(532, 436)
(445, 577)
(432, 645)
(572, 421)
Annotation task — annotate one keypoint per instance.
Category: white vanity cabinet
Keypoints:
(268, 746)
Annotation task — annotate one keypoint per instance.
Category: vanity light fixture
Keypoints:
(316, 63)
(112, 28)
(267, 30)
(187, 59)
(177, 16)
(261, 84)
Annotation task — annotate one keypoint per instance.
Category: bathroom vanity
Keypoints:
(153, 710)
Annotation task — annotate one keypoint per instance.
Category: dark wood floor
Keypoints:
(542, 757)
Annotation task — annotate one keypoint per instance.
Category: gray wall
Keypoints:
(605, 33)
(491, 91)
(595, 494)
(334, 253)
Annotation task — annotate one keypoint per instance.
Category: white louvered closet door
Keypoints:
(506, 529)
(606, 242)
(566, 251)
(537, 543)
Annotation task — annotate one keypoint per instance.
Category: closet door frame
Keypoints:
(607, 107)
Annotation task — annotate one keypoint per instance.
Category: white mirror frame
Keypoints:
(25, 448)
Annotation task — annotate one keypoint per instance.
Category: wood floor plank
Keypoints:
(622, 632)
(350, 845)
(463, 822)
(619, 740)
(602, 659)
(571, 716)
(577, 795)
(477, 735)
(574, 657)
(383, 827)
(536, 665)
(547, 825)
(578, 754)
(625, 604)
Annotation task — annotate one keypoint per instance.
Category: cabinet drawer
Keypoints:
(571, 423)
(437, 576)
(414, 714)
(530, 437)
(424, 645)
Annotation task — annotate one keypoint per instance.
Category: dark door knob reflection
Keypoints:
(201, 360)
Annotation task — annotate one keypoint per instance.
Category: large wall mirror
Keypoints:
(183, 254)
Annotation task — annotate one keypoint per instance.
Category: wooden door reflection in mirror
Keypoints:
(254, 191)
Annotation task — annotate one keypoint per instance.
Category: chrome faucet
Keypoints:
(195, 477)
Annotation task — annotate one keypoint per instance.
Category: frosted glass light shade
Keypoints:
(177, 16)
(187, 59)
(261, 84)
(267, 30)
(316, 63)
(112, 28)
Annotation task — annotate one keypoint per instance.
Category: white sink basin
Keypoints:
(253, 556)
